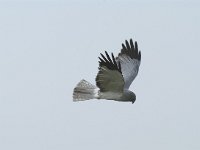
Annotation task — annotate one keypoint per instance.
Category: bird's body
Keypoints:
(125, 96)
(114, 77)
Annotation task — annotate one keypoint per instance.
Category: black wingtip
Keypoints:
(108, 62)
(131, 43)
(139, 55)
(123, 46)
(108, 57)
(131, 50)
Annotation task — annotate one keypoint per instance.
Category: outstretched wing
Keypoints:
(109, 77)
(130, 59)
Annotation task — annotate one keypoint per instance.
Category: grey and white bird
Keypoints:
(114, 77)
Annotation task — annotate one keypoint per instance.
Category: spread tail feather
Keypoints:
(85, 91)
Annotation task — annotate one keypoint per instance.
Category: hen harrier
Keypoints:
(114, 77)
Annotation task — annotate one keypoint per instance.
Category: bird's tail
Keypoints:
(85, 91)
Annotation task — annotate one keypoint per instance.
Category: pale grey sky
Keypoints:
(47, 47)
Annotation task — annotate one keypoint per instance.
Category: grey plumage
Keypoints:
(114, 77)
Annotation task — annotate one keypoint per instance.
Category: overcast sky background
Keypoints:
(47, 47)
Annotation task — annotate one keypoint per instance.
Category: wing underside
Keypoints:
(130, 59)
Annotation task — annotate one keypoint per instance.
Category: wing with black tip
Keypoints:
(109, 77)
(130, 59)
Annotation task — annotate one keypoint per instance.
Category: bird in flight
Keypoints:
(114, 77)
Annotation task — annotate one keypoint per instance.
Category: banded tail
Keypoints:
(85, 91)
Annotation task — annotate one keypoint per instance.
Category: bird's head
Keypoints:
(130, 96)
(133, 97)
